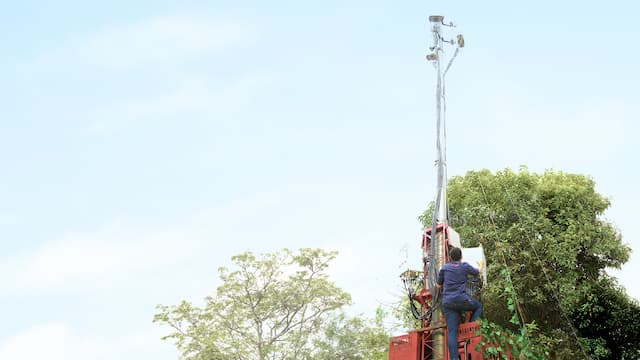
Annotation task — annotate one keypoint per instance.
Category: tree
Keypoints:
(548, 231)
(610, 319)
(353, 338)
(277, 306)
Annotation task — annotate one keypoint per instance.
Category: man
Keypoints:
(453, 277)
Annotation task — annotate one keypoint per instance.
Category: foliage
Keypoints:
(277, 306)
(548, 230)
(355, 338)
(401, 312)
(499, 341)
(610, 321)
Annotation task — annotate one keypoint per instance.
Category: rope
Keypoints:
(504, 261)
(451, 61)
(444, 121)
(546, 275)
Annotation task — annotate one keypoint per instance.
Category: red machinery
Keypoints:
(417, 345)
(429, 341)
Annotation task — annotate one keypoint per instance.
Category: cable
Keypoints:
(451, 61)
(544, 271)
(504, 260)
(435, 300)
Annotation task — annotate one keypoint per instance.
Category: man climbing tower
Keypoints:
(453, 278)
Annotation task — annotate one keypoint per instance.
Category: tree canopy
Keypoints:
(548, 231)
(277, 306)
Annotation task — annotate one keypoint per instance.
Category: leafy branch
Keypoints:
(498, 342)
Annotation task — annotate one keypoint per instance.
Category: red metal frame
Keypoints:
(416, 345)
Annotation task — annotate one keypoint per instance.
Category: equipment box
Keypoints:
(406, 347)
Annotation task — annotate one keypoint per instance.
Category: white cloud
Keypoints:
(59, 341)
(83, 260)
(154, 41)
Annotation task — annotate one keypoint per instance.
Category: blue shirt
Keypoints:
(453, 278)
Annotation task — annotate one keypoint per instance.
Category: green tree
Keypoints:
(353, 338)
(277, 306)
(609, 319)
(548, 231)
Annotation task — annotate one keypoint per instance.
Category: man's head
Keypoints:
(455, 253)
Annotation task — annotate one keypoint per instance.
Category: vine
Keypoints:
(502, 343)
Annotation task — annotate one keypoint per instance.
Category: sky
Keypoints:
(145, 143)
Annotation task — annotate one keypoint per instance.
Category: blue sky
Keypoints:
(145, 143)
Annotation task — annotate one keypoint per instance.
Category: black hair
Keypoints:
(455, 254)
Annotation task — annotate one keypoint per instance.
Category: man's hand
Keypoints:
(480, 265)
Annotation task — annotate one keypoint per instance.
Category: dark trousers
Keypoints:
(452, 312)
